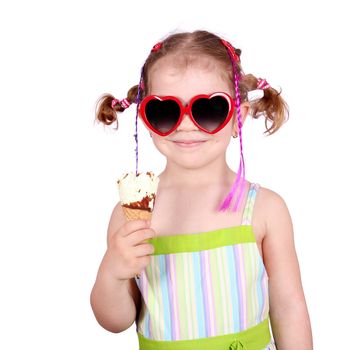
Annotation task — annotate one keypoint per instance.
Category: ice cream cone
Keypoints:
(137, 194)
(136, 214)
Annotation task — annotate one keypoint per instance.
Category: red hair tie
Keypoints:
(231, 49)
(157, 46)
(262, 84)
(124, 103)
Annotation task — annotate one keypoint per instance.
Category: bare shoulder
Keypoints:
(269, 208)
(278, 242)
(273, 211)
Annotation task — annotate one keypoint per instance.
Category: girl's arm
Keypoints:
(288, 311)
(114, 302)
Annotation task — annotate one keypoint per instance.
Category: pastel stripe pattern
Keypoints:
(204, 285)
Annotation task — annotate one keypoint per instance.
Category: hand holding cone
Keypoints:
(137, 195)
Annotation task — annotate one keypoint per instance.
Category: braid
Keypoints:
(239, 117)
(239, 181)
(138, 100)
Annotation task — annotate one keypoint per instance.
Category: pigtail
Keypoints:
(271, 105)
(107, 106)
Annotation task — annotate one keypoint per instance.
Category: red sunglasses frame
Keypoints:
(186, 110)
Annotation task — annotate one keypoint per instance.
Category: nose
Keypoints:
(186, 124)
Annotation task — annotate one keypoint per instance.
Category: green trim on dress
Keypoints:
(254, 338)
(195, 242)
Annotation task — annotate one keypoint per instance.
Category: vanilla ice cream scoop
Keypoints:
(138, 191)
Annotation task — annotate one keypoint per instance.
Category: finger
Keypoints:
(143, 262)
(132, 226)
(140, 236)
(142, 250)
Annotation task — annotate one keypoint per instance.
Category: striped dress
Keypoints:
(205, 284)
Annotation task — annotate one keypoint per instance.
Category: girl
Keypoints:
(211, 276)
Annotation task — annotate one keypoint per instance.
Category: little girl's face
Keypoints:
(167, 79)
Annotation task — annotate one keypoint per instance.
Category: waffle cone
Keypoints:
(136, 214)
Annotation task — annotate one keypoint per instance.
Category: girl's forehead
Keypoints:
(169, 76)
(175, 64)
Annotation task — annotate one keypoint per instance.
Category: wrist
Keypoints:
(108, 274)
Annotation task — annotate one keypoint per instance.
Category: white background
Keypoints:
(59, 169)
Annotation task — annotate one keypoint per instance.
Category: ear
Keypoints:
(245, 106)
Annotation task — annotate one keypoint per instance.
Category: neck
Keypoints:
(216, 173)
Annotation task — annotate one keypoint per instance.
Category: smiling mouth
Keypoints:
(189, 144)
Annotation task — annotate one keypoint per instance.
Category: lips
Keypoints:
(189, 144)
(189, 141)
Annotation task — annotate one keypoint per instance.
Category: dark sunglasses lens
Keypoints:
(162, 115)
(210, 113)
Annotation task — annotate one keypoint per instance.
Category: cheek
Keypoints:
(222, 142)
(226, 132)
(160, 143)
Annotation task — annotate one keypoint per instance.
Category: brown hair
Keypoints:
(188, 47)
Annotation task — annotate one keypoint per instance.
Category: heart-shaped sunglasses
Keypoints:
(210, 113)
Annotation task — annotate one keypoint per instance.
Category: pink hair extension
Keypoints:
(240, 178)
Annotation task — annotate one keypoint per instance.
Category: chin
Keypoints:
(191, 162)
